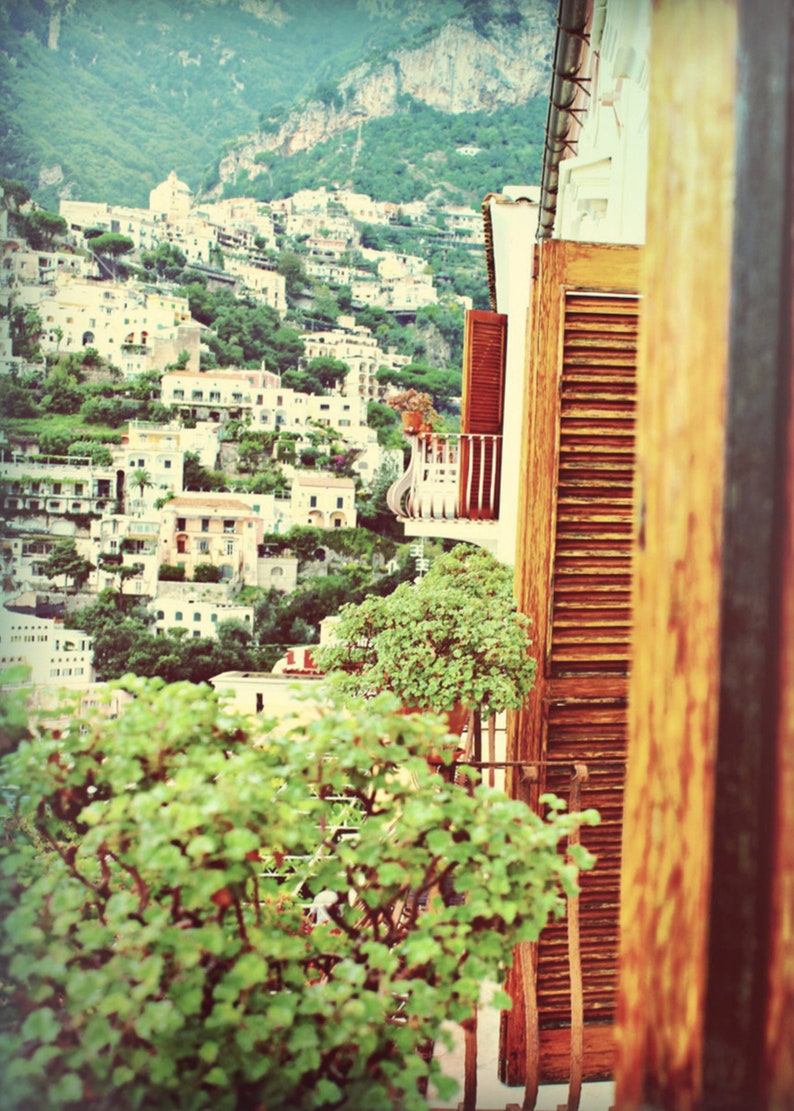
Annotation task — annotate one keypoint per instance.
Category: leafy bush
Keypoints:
(206, 573)
(154, 925)
(169, 572)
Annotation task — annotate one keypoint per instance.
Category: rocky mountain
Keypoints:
(100, 99)
(492, 57)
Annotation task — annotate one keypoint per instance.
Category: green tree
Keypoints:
(167, 261)
(152, 927)
(16, 400)
(198, 477)
(140, 480)
(291, 266)
(43, 228)
(64, 559)
(110, 247)
(25, 327)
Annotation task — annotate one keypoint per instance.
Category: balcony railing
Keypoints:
(450, 477)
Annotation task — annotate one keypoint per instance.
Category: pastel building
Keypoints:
(323, 501)
(216, 529)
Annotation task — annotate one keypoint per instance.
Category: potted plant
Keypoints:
(452, 642)
(415, 407)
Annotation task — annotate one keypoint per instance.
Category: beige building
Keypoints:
(211, 528)
(323, 501)
(171, 199)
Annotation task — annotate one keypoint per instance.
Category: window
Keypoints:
(229, 547)
(167, 465)
(56, 487)
(215, 395)
(237, 396)
(178, 615)
(141, 462)
(313, 501)
(180, 524)
(197, 617)
(179, 395)
(205, 524)
(160, 615)
(337, 523)
(213, 617)
(340, 503)
(228, 526)
(181, 545)
(197, 395)
(78, 489)
(197, 632)
(204, 546)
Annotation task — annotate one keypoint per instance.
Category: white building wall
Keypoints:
(602, 189)
(200, 616)
(56, 655)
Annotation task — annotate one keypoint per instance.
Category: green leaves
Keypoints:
(157, 930)
(453, 638)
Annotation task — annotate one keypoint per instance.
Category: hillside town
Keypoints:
(124, 516)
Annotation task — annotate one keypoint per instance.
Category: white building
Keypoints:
(195, 609)
(266, 285)
(129, 327)
(356, 346)
(55, 655)
(126, 553)
(157, 449)
(171, 199)
(323, 501)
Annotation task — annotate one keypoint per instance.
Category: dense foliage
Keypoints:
(410, 154)
(158, 944)
(175, 81)
(453, 638)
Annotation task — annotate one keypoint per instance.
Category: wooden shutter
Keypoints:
(574, 580)
(484, 341)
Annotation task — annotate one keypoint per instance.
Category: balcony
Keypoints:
(450, 477)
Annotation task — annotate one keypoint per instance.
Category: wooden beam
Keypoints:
(674, 686)
(706, 1006)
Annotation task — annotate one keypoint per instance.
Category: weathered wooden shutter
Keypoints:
(574, 580)
(481, 414)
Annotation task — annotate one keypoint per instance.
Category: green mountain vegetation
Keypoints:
(100, 99)
(412, 154)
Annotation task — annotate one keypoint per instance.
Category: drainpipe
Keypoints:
(572, 19)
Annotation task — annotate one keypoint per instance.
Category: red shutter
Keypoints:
(574, 580)
(485, 337)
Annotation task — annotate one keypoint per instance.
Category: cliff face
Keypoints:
(465, 67)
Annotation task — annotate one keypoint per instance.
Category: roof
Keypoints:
(206, 503)
(325, 480)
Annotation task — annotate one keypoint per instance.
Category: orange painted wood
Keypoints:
(574, 580)
(484, 346)
(683, 365)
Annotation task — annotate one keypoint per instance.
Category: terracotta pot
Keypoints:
(412, 422)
